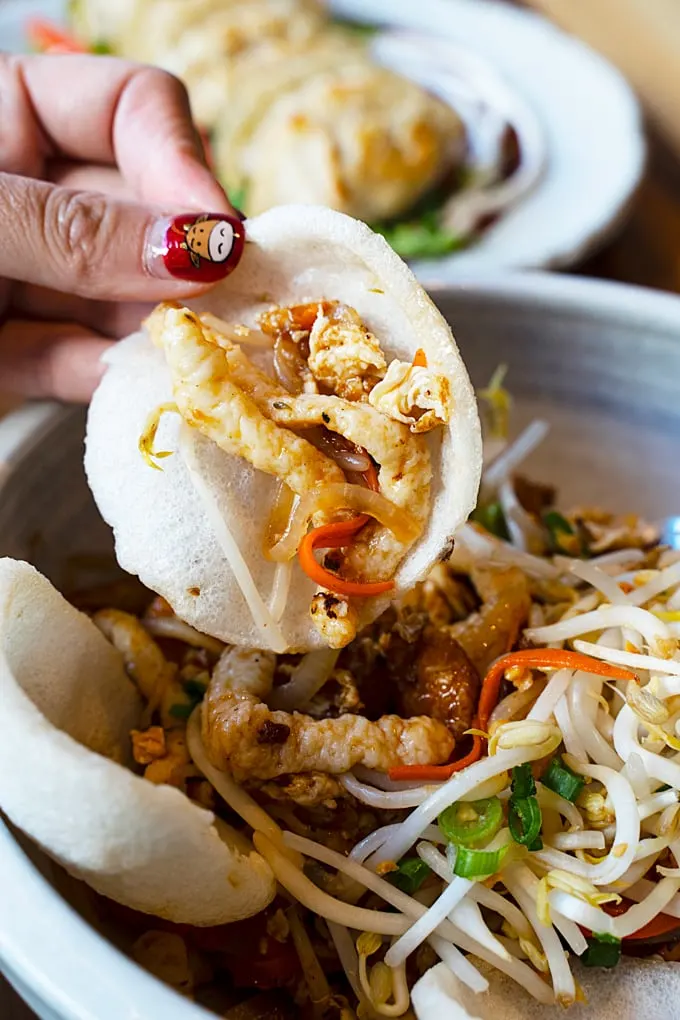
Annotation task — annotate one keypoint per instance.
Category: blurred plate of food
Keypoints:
(473, 134)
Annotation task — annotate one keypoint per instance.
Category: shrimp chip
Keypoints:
(223, 427)
(67, 709)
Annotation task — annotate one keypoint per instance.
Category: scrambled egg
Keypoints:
(414, 395)
(344, 355)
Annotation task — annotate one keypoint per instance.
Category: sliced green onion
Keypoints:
(523, 784)
(470, 863)
(559, 778)
(524, 821)
(195, 688)
(492, 519)
(603, 951)
(410, 875)
(524, 813)
(563, 538)
(472, 823)
(180, 711)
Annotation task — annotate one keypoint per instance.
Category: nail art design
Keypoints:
(202, 248)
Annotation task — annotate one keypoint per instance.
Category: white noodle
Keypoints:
(646, 910)
(425, 925)
(586, 839)
(460, 783)
(525, 533)
(554, 690)
(549, 799)
(639, 620)
(307, 679)
(173, 627)
(622, 854)
(634, 660)
(570, 735)
(513, 455)
(656, 802)
(483, 546)
(641, 890)
(515, 878)
(665, 770)
(664, 579)
(369, 844)
(347, 954)
(388, 800)
(634, 771)
(237, 798)
(371, 777)
(459, 964)
(600, 580)
(278, 598)
(583, 707)
(262, 617)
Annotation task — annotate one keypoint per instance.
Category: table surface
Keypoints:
(645, 251)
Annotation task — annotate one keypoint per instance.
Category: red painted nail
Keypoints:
(200, 247)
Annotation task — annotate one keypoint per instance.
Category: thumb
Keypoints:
(88, 244)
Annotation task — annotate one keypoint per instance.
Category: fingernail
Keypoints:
(201, 248)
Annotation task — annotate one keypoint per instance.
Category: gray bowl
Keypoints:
(599, 362)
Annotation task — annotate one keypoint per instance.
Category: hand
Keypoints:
(100, 169)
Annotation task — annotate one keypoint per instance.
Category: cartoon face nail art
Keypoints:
(202, 248)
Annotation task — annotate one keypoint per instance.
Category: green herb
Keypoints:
(180, 711)
(603, 951)
(101, 47)
(421, 238)
(524, 812)
(492, 519)
(410, 876)
(471, 863)
(357, 28)
(473, 822)
(563, 538)
(195, 688)
(559, 778)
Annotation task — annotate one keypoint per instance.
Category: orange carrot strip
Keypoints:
(47, 37)
(420, 359)
(371, 477)
(332, 536)
(528, 658)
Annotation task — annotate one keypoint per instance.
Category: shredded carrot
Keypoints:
(47, 37)
(527, 658)
(333, 536)
(420, 359)
(371, 477)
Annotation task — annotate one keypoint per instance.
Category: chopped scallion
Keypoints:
(410, 875)
(470, 863)
(559, 778)
(603, 951)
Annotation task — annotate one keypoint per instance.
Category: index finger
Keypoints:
(105, 110)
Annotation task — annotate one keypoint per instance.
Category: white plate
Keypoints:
(589, 115)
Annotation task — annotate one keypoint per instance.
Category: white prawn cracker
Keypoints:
(67, 706)
(180, 528)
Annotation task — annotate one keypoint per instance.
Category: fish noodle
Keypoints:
(265, 622)
(639, 620)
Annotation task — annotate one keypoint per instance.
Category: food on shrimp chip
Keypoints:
(317, 388)
(67, 708)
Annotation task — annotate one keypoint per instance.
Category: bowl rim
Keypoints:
(65, 966)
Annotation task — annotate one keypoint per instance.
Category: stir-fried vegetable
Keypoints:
(492, 519)
(524, 813)
(471, 824)
(471, 863)
(410, 874)
(603, 951)
(559, 778)
(563, 538)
